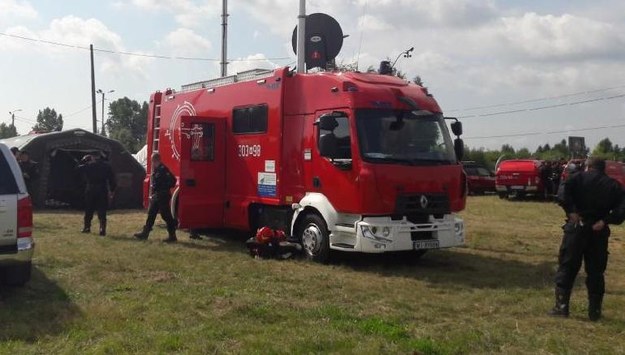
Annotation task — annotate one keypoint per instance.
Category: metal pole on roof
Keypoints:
(301, 37)
(224, 39)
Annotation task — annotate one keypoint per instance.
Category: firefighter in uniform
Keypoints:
(100, 188)
(591, 200)
(161, 182)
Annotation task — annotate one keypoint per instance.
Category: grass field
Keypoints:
(118, 295)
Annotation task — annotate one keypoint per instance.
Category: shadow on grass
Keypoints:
(38, 309)
(453, 268)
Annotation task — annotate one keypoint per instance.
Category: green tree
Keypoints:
(606, 150)
(7, 131)
(127, 123)
(48, 121)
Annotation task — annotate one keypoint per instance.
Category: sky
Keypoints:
(516, 72)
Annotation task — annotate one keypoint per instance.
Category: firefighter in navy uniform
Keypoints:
(100, 188)
(591, 200)
(161, 182)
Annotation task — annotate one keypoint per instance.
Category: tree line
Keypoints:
(127, 123)
(604, 149)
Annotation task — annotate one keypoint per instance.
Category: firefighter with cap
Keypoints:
(592, 201)
(161, 182)
(100, 187)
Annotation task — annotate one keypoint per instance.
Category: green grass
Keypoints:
(117, 295)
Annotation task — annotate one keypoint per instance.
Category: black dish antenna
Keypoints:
(324, 39)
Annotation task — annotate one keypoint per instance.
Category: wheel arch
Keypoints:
(315, 203)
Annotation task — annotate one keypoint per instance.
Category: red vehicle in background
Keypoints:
(480, 179)
(356, 162)
(520, 177)
(614, 169)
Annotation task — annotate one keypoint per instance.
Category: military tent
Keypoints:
(57, 155)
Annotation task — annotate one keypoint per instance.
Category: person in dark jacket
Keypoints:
(161, 182)
(100, 187)
(591, 200)
(30, 170)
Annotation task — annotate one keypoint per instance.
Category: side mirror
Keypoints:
(456, 128)
(328, 145)
(459, 148)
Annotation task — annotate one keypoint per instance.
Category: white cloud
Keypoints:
(253, 61)
(184, 42)
(186, 12)
(562, 37)
(12, 9)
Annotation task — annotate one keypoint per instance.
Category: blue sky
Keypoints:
(568, 57)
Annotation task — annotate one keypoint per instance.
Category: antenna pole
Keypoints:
(301, 37)
(224, 39)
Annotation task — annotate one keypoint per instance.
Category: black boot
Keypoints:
(143, 234)
(86, 227)
(561, 308)
(171, 236)
(594, 306)
(103, 228)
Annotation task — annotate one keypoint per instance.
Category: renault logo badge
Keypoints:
(424, 201)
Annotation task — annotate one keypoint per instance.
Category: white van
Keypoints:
(16, 222)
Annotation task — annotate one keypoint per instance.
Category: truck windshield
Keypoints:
(403, 136)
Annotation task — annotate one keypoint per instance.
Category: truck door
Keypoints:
(202, 172)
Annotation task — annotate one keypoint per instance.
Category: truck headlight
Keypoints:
(368, 233)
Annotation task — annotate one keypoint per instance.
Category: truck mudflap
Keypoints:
(383, 234)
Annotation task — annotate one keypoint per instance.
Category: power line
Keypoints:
(573, 103)
(527, 134)
(538, 99)
(156, 56)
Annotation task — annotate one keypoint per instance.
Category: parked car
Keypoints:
(520, 177)
(479, 178)
(614, 169)
(16, 222)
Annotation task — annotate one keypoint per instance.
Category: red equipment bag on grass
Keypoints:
(272, 244)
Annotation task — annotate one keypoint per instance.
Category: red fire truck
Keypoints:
(341, 161)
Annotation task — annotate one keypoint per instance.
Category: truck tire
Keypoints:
(315, 238)
(17, 275)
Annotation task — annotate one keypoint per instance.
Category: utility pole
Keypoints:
(12, 113)
(224, 38)
(100, 91)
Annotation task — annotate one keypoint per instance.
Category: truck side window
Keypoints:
(251, 119)
(343, 138)
(202, 137)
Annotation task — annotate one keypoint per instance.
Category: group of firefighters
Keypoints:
(591, 200)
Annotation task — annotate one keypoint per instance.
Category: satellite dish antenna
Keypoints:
(323, 40)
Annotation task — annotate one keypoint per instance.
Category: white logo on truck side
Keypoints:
(186, 109)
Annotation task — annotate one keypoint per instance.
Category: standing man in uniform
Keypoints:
(591, 200)
(100, 188)
(161, 182)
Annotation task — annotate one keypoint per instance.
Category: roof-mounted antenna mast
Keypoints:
(224, 39)
(301, 30)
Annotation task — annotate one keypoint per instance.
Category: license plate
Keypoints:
(426, 244)
(518, 187)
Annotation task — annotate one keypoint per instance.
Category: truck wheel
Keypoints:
(503, 196)
(17, 275)
(315, 239)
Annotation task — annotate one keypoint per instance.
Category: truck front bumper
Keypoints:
(383, 234)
